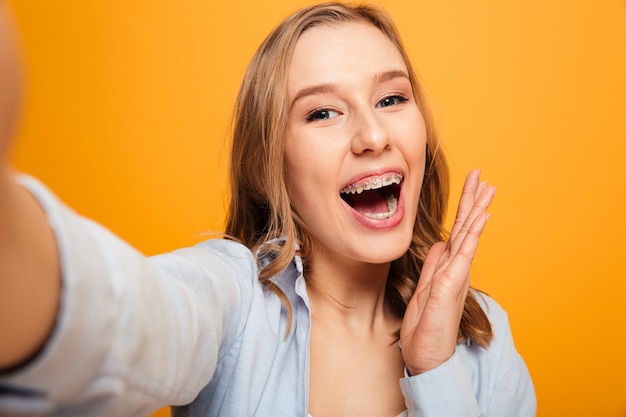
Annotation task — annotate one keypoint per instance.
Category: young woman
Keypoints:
(334, 294)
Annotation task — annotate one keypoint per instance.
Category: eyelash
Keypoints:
(321, 114)
(400, 99)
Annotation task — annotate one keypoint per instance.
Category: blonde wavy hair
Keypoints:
(260, 213)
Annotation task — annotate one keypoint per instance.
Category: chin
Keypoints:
(390, 252)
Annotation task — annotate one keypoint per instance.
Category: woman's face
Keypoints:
(355, 144)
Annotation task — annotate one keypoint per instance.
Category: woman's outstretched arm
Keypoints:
(29, 266)
(29, 274)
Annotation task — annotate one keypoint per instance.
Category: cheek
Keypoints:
(311, 157)
(417, 146)
(296, 148)
(298, 172)
(414, 153)
(295, 165)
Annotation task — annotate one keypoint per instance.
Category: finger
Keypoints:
(431, 262)
(481, 187)
(420, 296)
(467, 200)
(480, 207)
(481, 204)
(458, 268)
(415, 309)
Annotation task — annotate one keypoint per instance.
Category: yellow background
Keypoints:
(127, 112)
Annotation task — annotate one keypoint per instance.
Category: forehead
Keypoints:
(335, 52)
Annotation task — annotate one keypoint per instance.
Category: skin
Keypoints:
(9, 77)
(29, 271)
(367, 129)
(353, 116)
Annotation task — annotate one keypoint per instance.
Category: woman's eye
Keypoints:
(323, 114)
(391, 101)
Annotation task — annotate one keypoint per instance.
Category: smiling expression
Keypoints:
(355, 144)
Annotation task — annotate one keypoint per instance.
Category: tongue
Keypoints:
(368, 202)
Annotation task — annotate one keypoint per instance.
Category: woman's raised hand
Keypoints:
(431, 322)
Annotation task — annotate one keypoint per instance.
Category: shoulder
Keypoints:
(498, 373)
(215, 268)
(498, 317)
(214, 257)
(230, 250)
(501, 353)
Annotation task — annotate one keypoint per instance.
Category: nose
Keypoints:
(370, 134)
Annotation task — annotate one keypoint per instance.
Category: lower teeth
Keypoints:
(392, 205)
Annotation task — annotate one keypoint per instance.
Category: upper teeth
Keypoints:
(373, 184)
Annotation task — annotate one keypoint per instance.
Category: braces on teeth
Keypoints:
(375, 184)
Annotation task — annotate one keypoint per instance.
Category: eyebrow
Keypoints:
(311, 91)
(332, 88)
(390, 75)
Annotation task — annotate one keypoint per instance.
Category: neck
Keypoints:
(349, 295)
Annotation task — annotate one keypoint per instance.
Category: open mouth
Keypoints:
(376, 198)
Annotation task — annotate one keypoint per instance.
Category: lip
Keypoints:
(364, 176)
(368, 222)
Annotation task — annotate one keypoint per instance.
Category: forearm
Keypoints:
(29, 274)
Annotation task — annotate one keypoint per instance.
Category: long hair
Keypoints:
(260, 214)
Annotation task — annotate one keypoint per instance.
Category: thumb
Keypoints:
(416, 305)
(431, 262)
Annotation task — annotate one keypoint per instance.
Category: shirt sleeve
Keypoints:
(475, 381)
(133, 333)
